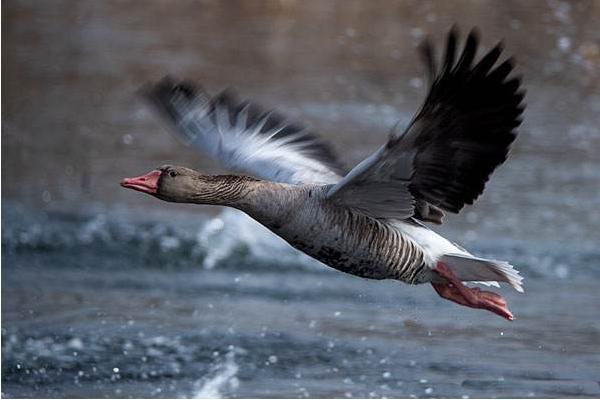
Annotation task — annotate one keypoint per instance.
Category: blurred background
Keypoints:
(107, 292)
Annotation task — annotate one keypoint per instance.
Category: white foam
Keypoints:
(223, 374)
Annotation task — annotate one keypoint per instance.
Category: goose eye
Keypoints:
(172, 174)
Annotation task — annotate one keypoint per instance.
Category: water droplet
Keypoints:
(431, 17)
(75, 343)
(562, 271)
(564, 43)
(417, 33)
(127, 139)
(416, 82)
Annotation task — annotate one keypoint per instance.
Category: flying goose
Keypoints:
(367, 222)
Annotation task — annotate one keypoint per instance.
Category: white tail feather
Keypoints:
(481, 270)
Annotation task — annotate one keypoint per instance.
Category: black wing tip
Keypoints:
(427, 51)
(500, 46)
(489, 97)
(174, 98)
(229, 95)
(496, 76)
(472, 42)
(454, 31)
(167, 87)
(474, 35)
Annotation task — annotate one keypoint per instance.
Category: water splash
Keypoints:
(223, 375)
(229, 240)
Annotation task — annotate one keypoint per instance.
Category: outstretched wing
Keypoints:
(444, 158)
(242, 137)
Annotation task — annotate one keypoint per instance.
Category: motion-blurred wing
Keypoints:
(446, 155)
(244, 138)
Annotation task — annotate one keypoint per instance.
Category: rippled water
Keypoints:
(106, 292)
(102, 305)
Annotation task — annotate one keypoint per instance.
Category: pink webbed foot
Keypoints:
(457, 292)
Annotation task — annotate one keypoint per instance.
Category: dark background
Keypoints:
(73, 126)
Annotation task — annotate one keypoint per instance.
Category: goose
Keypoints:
(369, 222)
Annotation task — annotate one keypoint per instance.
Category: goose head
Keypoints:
(184, 185)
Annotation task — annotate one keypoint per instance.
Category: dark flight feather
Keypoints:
(465, 127)
(443, 159)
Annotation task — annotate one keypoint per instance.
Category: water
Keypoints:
(109, 293)
(100, 305)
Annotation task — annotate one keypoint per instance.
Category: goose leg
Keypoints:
(457, 292)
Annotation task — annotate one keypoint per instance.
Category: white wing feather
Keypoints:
(243, 138)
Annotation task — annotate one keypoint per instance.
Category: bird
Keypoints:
(371, 221)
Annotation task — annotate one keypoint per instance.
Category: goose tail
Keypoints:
(480, 270)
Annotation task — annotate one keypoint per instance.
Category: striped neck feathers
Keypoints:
(192, 187)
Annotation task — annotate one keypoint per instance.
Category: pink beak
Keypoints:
(146, 183)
